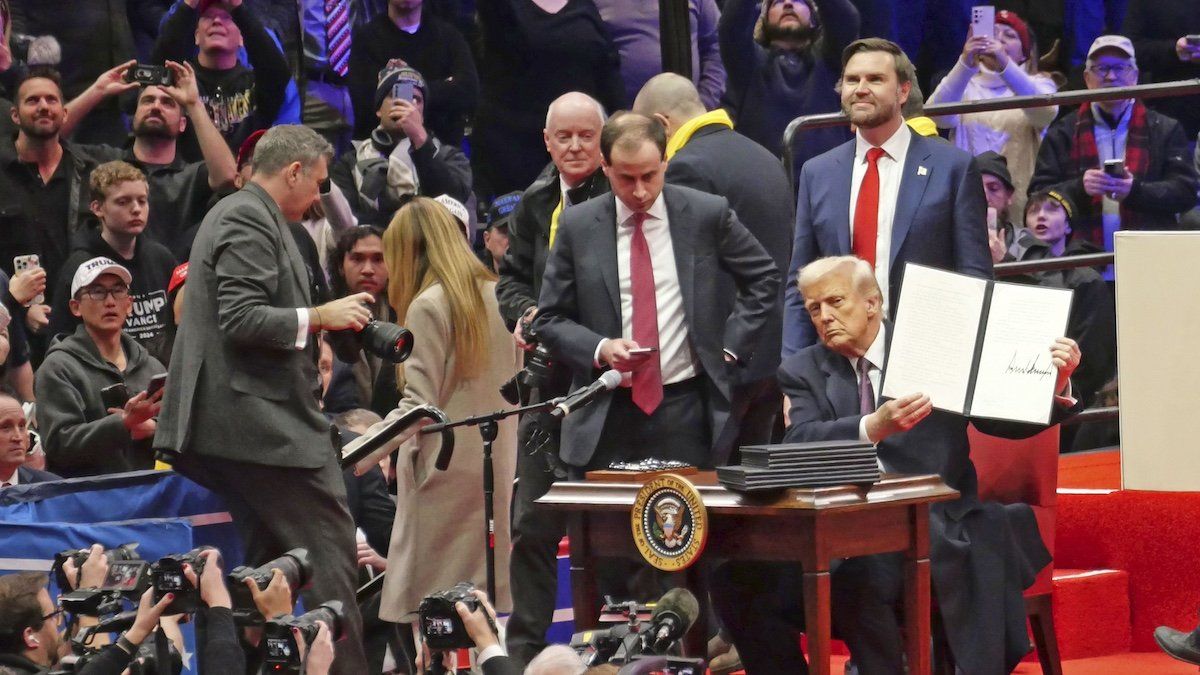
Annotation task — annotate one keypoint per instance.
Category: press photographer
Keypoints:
(30, 638)
(462, 617)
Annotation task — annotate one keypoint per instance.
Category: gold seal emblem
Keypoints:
(670, 523)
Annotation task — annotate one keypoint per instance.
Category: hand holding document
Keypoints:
(978, 348)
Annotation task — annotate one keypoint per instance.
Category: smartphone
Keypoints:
(114, 396)
(29, 262)
(403, 91)
(643, 350)
(993, 219)
(1114, 168)
(983, 21)
(148, 75)
(1193, 40)
(156, 383)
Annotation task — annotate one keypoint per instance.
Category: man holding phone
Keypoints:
(1124, 165)
(401, 157)
(85, 431)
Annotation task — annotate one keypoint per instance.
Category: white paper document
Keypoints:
(933, 340)
(976, 347)
(1015, 378)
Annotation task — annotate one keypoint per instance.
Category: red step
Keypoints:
(1091, 612)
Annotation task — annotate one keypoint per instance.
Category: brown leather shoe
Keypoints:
(726, 663)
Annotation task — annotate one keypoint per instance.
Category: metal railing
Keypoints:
(1141, 91)
(1010, 269)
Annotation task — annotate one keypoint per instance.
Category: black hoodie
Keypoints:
(80, 436)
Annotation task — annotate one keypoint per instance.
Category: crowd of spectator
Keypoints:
(483, 118)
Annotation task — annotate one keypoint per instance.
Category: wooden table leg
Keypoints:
(585, 598)
(817, 621)
(916, 594)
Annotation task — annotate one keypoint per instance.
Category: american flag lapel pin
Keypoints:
(922, 171)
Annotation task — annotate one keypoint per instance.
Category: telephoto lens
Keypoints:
(295, 565)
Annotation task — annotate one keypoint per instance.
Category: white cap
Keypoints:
(93, 269)
(455, 208)
(1111, 42)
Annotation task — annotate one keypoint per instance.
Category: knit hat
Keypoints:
(1018, 24)
(398, 71)
(995, 164)
(502, 208)
(1068, 205)
(759, 26)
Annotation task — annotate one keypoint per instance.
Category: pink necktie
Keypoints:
(647, 380)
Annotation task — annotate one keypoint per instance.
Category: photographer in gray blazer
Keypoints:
(240, 411)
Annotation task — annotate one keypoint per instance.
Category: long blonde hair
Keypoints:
(424, 246)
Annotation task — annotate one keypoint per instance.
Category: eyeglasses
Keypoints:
(53, 615)
(99, 293)
(1116, 69)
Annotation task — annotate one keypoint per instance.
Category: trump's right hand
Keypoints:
(898, 415)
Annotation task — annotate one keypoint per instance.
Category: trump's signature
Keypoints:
(1030, 367)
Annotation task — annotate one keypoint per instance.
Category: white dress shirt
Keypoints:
(676, 358)
(11, 481)
(891, 166)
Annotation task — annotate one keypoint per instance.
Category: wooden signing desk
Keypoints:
(811, 527)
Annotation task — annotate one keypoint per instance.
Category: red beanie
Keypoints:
(1016, 23)
(245, 152)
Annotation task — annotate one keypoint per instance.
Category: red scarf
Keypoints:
(1085, 156)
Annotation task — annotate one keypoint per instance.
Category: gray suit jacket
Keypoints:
(239, 389)
(580, 302)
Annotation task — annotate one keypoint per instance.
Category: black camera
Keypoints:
(388, 341)
(280, 650)
(147, 75)
(144, 662)
(538, 366)
(166, 576)
(78, 556)
(296, 568)
(441, 626)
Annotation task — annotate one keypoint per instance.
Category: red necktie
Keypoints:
(866, 209)
(647, 380)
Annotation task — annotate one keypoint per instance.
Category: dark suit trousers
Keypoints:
(762, 607)
(677, 430)
(533, 563)
(280, 508)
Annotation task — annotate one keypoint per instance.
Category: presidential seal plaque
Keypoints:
(670, 523)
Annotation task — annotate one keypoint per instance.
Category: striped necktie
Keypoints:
(337, 35)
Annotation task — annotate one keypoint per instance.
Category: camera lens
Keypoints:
(387, 341)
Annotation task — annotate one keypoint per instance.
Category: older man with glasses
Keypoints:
(1125, 166)
(93, 406)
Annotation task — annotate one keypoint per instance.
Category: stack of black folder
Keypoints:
(801, 465)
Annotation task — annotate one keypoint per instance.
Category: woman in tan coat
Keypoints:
(461, 355)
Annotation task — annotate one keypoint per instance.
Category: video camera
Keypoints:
(441, 626)
(281, 651)
(78, 556)
(538, 366)
(639, 630)
(388, 341)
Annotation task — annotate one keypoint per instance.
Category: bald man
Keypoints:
(572, 136)
(705, 153)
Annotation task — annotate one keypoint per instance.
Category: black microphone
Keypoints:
(672, 617)
(610, 380)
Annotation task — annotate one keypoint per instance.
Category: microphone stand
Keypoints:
(488, 430)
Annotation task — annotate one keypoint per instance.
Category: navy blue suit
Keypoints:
(26, 475)
(983, 555)
(940, 221)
